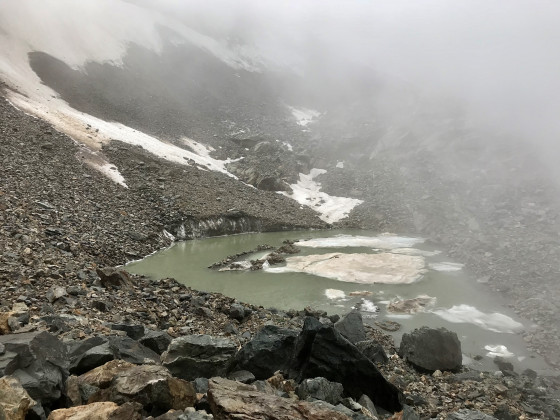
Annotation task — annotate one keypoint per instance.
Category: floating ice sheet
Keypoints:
(358, 268)
(469, 314)
(385, 241)
(446, 266)
(334, 294)
(498, 350)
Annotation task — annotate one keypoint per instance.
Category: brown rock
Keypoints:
(111, 277)
(234, 400)
(98, 411)
(4, 326)
(14, 400)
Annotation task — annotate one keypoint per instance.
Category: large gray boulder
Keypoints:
(271, 350)
(151, 386)
(38, 360)
(196, 356)
(157, 341)
(320, 389)
(351, 327)
(322, 351)
(373, 351)
(430, 349)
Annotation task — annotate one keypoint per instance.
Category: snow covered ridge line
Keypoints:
(308, 193)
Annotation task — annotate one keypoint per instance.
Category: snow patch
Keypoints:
(110, 171)
(498, 350)
(469, 314)
(358, 268)
(340, 165)
(304, 116)
(308, 192)
(384, 241)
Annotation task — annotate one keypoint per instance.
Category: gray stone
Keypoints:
(243, 376)
(270, 351)
(351, 327)
(55, 293)
(367, 403)
(157, 341)
(133, 331)
(373, 351)
(237, 311)
(320, 389)
(201, 385)
(196, 356)
(465, 414)
(430, 349)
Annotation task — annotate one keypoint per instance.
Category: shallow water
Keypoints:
(483, 323)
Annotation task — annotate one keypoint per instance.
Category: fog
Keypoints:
(499, 58)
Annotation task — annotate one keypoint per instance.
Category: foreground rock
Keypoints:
(98, 411)
(233, 400)
(199, 356)
(432, 349)
(150, 386)
(14, 400)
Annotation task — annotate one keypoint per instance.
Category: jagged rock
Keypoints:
(233, 400)
(237, 311)
(157, 341)
(38, 361)
(14, 400)
(110, 348)
(351, 327)
(189, 413)
(243, 376)
(503, 364)
(323, 351)
(111, 277)
(55, 293)
(98, 411)
(320, 389)
(200, 385)
(133, 331)
(152, 386)
(373, 351)
(465, 414)
(367, 403)
(270, 351)
(432, 349)
(4, 326)
(196, 356)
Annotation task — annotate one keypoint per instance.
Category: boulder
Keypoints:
(430, 349)
(39, 361)
(243, 376)
(196, 356)
(322, 351)
(320, 389)
(351, 327)
(373, 351)
(14, 400)
(112, 277)
(55, 293)
(271, 350)
(234, 400)
(151, 386)
(367, 403)
(133, 331)
(465, 414)
(237, 311)
(89, 356)
(98, 411)
(157, 341)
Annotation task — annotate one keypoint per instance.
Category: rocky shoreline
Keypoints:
(62, 223)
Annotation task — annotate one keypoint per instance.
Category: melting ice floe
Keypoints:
(385, 241)
(446, 266)
(469, 314)
(498, 350)
(358, 268)
(308, 192)
(335, 294)
(414, 251)
(367, 306)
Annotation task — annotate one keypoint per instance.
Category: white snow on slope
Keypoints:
(77, 32)
(308, 192)
(469, 314)
(304, 116)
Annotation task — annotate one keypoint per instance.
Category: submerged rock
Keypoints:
(432, 349)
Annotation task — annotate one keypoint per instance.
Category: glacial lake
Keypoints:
(339, 270)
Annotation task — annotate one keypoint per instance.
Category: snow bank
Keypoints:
(308, 192)
(469, 314)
